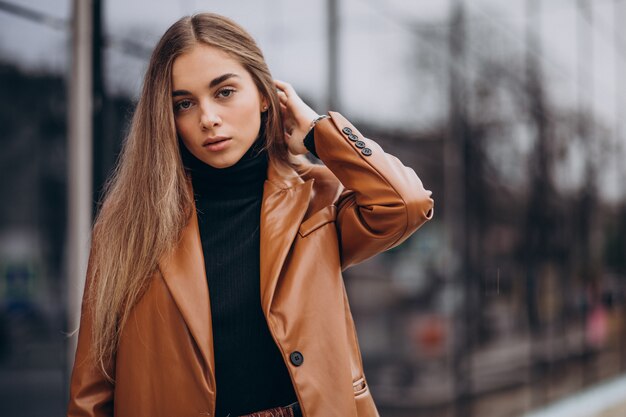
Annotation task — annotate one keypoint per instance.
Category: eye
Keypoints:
(182, 105)
(225, 92)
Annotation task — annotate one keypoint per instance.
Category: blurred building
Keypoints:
(512, 297)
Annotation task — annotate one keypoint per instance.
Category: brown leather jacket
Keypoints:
(313, 226)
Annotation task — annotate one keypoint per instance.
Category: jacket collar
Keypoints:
(285, 201)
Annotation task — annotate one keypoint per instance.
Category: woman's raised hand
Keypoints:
(297, 117)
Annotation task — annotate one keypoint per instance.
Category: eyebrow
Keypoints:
(213, 83)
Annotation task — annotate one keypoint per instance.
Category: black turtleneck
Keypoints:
(250, 372)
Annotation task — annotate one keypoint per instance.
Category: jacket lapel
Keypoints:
(185, 276)
(285, 201)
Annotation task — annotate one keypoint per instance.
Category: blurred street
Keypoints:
(603, 400)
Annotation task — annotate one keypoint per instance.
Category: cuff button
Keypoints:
(347, 130)
(353, 137)
(359, 144)
(366, 151)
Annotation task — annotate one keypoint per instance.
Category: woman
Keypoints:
(214, 283)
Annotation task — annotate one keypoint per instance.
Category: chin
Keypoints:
(223, 162)
(220, 165)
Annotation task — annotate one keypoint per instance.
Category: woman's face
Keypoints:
(217, 106)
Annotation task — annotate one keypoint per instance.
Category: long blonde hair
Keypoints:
(147, 201)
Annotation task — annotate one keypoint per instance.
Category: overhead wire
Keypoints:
(126, 46)
(33, 15)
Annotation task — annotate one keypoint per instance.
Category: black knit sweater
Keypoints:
(250, 372)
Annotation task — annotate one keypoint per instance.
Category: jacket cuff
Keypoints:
(309, 142)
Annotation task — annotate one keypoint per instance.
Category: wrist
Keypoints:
(305, 118)
(318, 119)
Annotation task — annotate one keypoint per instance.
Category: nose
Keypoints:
(209, 117)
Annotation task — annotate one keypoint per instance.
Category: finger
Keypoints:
(282, 96)
(285, 87)
(286, 113)
(287, 119)
(280, 84)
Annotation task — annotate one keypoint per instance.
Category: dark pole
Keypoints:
(537, 220)
(99, 154)
(455, 152)
(333, 27)
(585, 133)
(620, 52)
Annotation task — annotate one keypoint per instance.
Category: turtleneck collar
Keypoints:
(244, 178)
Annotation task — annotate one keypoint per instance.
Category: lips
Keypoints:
(216, 139)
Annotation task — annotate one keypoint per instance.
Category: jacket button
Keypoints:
(347, 130)
(353, 137)
(359, 144)
(296, 358)
(366, 151)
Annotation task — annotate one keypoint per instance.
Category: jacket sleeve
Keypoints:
(91, 394)
(383, 201)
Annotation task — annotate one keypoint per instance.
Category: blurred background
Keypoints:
(510, 302)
